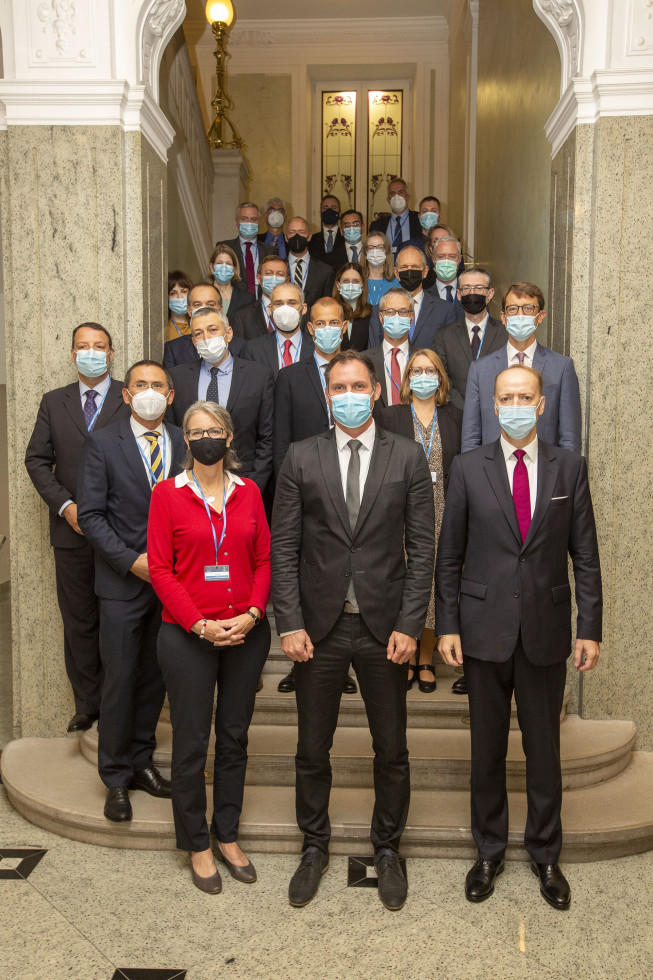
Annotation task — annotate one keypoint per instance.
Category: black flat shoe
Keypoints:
(81, 723)
(349, 685)
(117, 806)
(554, 887)
(306, 879)
(245, 872)
(426, 687)
(151, 781)
(287, 684)
(211, 885)
(479, 883)
(393, 886)
(459, 686)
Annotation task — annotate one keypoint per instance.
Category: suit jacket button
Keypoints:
(516, 595)
(522, 559)
(347, 574)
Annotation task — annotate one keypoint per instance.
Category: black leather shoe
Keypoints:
(306, 879)
(117, 806)
(412, 672)
(151, 781)
(554, 887)
(287, 684)
(349, 685)
(426, 687)
(479, 883)
(393, 886)
(459, 686)
(81, 723)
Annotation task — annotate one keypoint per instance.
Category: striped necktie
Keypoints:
(299, 273)
(156, 463)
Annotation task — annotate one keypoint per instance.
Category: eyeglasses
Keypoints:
(351, 224)
(214, 433)
(391, 312)
(143, 386)
(418, 372)
(527, 310)
(466, 290)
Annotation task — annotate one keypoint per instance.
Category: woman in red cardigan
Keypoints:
(208, 550)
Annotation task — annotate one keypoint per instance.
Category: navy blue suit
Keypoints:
(433, 314)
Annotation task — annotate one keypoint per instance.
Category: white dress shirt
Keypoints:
(292, 262)
(530, 461)
(402, 359)
(528, 354)
(443, 286)
(165, 446)
(344, 455)
(481, 328)
(358, 246)
(417, 301)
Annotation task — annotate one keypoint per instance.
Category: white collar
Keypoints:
(101, 388)
(403, 346)
(367, 437)
(529, 352)
(184, 480)
(141, 430)
(530, 450)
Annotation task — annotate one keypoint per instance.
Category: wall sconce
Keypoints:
(220, 14)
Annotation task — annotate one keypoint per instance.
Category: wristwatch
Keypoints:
(257, 619)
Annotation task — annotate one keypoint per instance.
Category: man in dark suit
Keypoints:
(65, 418)
(274, 212)
(447, 258)
(247, 246)
(521, 314)
(345, 592)
(402, 227)
(255, 320)
(245, 389)
(289, 343)
(314, 277)
(431, 312)
(516, 510)
(397, 316)
(182, 350)
(328, 245)
(475, 335)
(120, 465)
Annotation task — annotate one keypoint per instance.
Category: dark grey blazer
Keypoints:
(489, 587)
(315, 552)
(264, 350)
(433, 315)
(452, 346)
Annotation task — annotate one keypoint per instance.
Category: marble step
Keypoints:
(591, 751)
(49, 782)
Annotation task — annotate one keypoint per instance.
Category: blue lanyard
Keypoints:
(170, 320)
(153, 479)
(390, 376)
(319, 371)
(97, 410)
(478, 352)
(435, 418)
(280, 346)
(208, 514)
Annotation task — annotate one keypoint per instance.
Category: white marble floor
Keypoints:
(93, 913)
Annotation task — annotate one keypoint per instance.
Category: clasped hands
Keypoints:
(225, 632)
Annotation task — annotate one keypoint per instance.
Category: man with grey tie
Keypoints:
(346, 592)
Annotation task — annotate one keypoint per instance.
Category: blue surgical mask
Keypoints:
(328, 339)
(352, 235)
(248, 228)
(269, 282)
(396, 326)
(223, 272)
(425, 385)
(428, 220)
(520, 327)
(350, 290)
(351, 409)
(91, 363)
(178, 306)
(517, 420)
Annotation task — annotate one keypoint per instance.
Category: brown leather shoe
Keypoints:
(211, 885)
(245, 873)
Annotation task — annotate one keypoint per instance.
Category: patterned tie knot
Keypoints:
(519, 454)
(354, 445)
(476, 330)
(91, 395)
(152, 438)
(214, 371)
(520, 356)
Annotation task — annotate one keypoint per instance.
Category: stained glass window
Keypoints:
(385, 110)
(339, 146)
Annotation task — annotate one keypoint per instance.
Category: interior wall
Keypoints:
(518, 88)
(181, 252)
(453, 215)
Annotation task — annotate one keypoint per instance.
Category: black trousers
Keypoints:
(191, 667)
(79, 606)
(539, 693)
(133, 689)
(318, 692)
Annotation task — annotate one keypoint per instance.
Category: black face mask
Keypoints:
(297, 243)
(411, 279)
(330, 216)
(207, 451)
(474, 303)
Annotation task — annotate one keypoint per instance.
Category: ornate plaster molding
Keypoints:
(159, 22)
(564, 20)
(61, 33)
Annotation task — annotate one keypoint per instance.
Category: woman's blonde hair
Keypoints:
(227, 250)
(223, 419)
(442, 394)
(389, 266)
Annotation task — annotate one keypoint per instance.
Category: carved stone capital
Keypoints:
(565, 21)
(159, 22)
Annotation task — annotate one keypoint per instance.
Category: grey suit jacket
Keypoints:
(558, 425)
(452, 346)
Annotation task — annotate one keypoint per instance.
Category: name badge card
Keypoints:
(216, 573)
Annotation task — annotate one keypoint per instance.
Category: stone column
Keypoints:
(600, 314)
(231, 175)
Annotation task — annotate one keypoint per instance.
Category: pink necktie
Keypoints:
(521, 494)
(520, 357)
(395, 374)
(249, 269)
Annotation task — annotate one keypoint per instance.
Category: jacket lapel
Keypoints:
(313, 372)
(378, 465)
(237, 381)
(547, 474)
(463, 340)
(495, 468)
(328, 453)
(112, 403)
(271, 350)
(132, 455)
(73, 404)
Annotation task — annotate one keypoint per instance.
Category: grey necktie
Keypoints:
(212, 394)
(353, 482)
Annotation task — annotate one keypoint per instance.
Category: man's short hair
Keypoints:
(247, 204)
(92, 326)
(522, 367)
(300, 291)
(351, 355)
(449, 238)
(524, 290)
(429, 197)
(206, 310)
(398, 180)
(397, 291)
(274, 202)
(352, 211)
(327, 299)
(272, 258)
(147, 363)
(479, 271)
(332, 197)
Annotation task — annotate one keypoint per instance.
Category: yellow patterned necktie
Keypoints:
(156, 462)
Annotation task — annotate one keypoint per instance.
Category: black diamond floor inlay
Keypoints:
(17, 865)
(361, 872)
(131, 974)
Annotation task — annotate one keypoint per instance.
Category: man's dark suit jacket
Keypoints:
(507, 587)
(114, 504)
(251, 406)
(181, 350)
(250, 321)
(452, 346)
(433, 314)
(338, 254)
(300, 408)
(240, 299)
(399, 419)
(54, 452)
(315, 552)
(265, 350)
(319, 281)
(383, 223)
(262, 235)
(263, 250)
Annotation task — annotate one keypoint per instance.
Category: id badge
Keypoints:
(216, 573)
(434, 476)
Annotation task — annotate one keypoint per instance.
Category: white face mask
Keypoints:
(276, 219)
(397, 202)
(212, 350)
(286, 318)
(150, 404)
(375, 257)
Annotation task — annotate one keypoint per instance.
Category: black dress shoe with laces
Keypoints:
(349, 685)
(393, 886)
(287, 684)
(151, 781)
(306, 879)
(117, 806)
(554, 887)
(479, 883)
(459, 686)
(81, 723)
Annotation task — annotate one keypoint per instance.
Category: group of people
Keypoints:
(353, 393)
